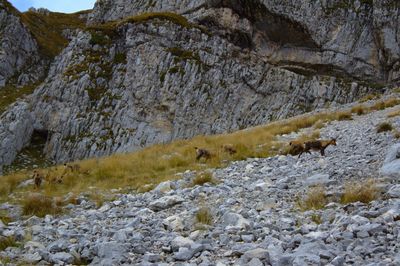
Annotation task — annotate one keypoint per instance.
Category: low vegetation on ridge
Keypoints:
(110, 28)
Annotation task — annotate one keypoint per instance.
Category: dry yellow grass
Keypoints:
(383, 127)
(141, 171)
(381, 105)
(396, 134)
(6, 242)
(358, 109)
(203, 178)
(314, 200)
(344, 115)
(363, 191)
(316, 218)
(394, 113)
(319, 125)
(204, 216)
(45, 27)
(369, 97)
(40, 206)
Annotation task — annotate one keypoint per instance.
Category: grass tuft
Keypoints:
(314, 200)
(316, 218)
(394, 113)
(369, 97)
(358, 109)
(396, 134)
(363, 191)
(6, 242)
(40, 206)
(344, 115)
(381, 105)
(383, 127)
(203, 178)
(204, 216)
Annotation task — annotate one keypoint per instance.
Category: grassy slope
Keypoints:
(152, 165)
(47, 29)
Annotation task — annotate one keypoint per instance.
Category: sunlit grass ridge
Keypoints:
(152, 165)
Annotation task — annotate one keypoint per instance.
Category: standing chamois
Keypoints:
(229, 148)
(37, 178)
(317, 145)
(296, 147)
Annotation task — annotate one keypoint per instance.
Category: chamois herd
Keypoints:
(296, 148)
(39, 177)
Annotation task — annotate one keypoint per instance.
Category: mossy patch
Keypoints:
(120, 58)
(9, 94)
(186, 55)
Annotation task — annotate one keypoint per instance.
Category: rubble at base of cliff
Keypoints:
(253, 213)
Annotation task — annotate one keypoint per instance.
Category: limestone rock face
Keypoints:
(19, 56)
(356, 38)
(234, 64)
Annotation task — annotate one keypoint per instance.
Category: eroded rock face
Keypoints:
(252, 62)
(19, 56)
(16, 127)
(346, 38)
(151, 86)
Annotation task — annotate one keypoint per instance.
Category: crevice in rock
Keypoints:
(273, 27)
(32, 156)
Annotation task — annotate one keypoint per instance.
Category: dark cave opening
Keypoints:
(32, 156)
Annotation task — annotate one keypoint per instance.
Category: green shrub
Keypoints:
(99, 38)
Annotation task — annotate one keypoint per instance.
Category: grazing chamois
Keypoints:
(296, 147)
(72, 167)
(317, 145)
(229, 148)
(202, 153)
(37, 178)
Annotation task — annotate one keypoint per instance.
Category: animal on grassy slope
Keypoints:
(202, 153)
(37, 178)
(229, 148)
(317, 145)
(72, 167)
(296, 147)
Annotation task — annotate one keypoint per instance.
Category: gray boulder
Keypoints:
(165, 202)
(391, 165)
(235, 220)
(62, 257)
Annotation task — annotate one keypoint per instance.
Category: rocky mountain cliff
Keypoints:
(130, 79)
(20, 61)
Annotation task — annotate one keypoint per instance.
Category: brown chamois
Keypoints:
(37, 178)
(229, 148)
(202, 153)
(317, 145)
(296, 147)
(72, 167)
